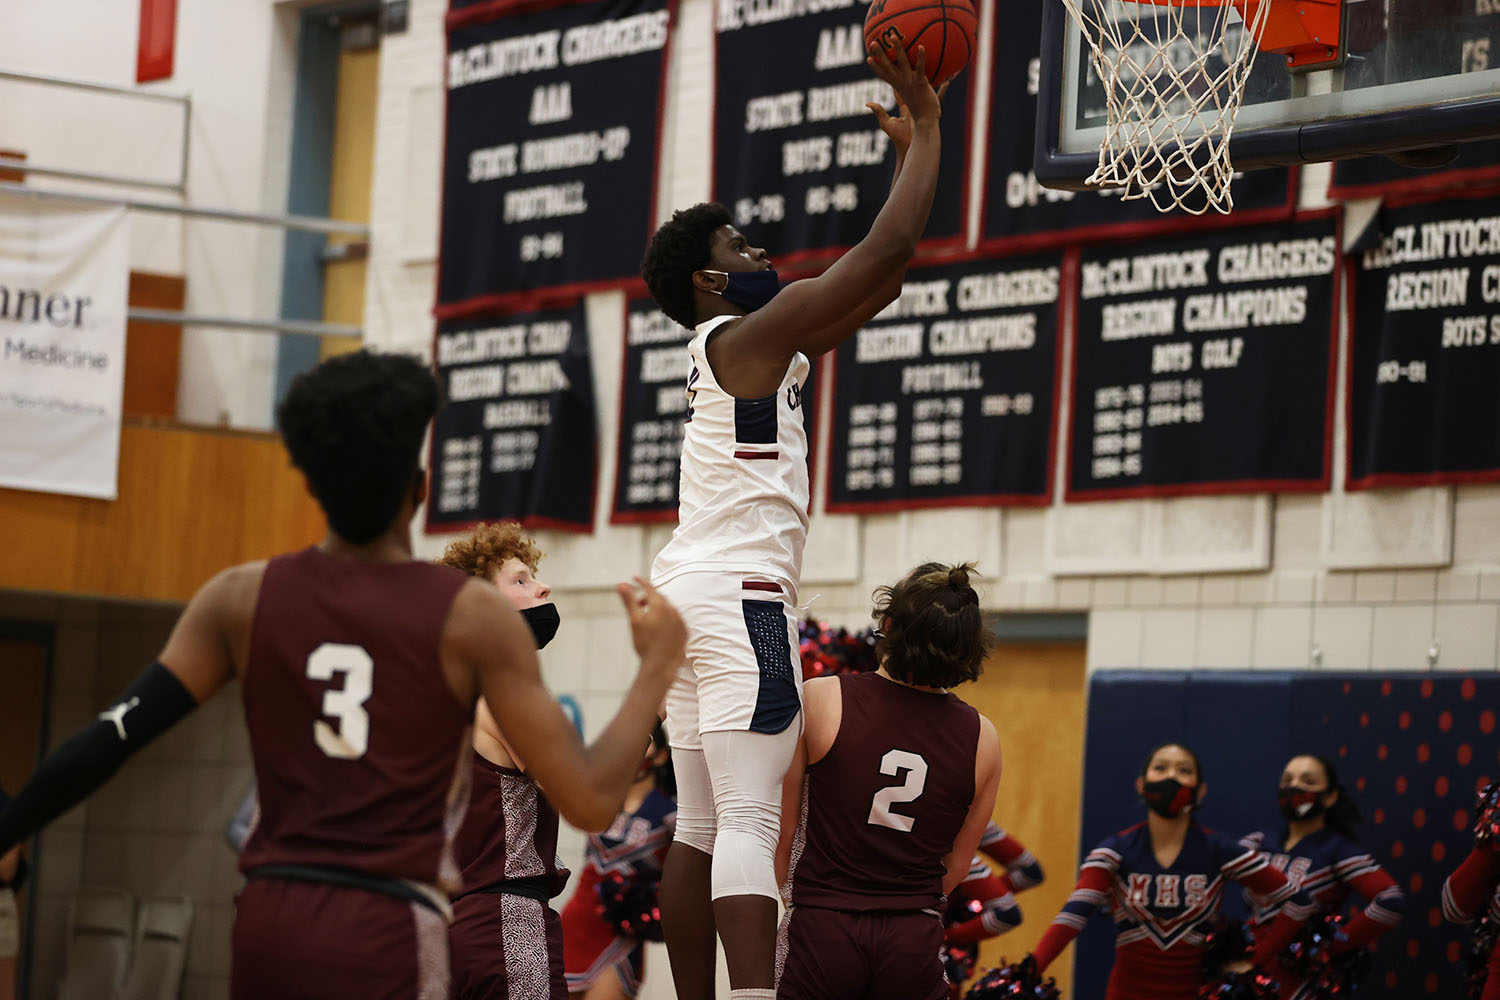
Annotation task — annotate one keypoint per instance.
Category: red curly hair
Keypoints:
(487, 548)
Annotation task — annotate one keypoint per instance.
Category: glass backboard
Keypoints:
(1417, 74)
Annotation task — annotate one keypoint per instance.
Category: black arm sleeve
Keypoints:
(153, 703)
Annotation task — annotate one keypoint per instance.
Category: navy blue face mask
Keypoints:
(749, 289)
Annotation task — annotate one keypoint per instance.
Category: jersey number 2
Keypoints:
(347, 704)
(894, 762)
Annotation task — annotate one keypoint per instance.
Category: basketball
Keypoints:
(945, 28)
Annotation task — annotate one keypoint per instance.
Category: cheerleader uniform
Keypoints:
(1162, 913)
(1473, 886)
(634, 846)
(1327, 867)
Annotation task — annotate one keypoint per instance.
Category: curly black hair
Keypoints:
(933, 631)
(679, 248)
(354, 425)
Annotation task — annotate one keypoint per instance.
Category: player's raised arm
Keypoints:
(814, 315)
(586, 784)
(196, 662)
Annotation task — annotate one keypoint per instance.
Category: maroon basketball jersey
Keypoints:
(509, 831)
(885, 804)
(354, 731)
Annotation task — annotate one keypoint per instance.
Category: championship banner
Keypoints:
(653, 407)
(1205, 365)
(64, 275)
(798, 157)
(653, 412)
(550, 154)
(1019, 212)
(948, 397)
(1424, 358)
(515, 438)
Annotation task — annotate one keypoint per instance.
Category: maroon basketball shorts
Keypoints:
(312, 941)
(506, 947)
(839, 955)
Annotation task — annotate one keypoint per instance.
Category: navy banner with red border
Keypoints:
(554, 115)
(949, 397)
(1424, 352)
(1205, 365)
(515, 439)
(798, 158)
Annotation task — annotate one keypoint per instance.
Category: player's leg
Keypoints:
(750, 704)
(907, 964)
(687, 913)
(747, 769)
(687, 917)
(822, 957)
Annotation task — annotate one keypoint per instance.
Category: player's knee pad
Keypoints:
(697, 832)
(744, 864)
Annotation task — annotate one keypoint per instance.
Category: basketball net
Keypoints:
(1173, 74)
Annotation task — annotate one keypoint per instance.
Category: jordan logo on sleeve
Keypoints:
(116, 714)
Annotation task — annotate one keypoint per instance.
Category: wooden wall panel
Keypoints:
(192, 502)
(1035, 694)
(153, 351)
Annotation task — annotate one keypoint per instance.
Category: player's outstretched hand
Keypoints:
(655, 627)
(898, 126)
(913, 90)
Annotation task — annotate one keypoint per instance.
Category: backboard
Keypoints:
(1418, 74)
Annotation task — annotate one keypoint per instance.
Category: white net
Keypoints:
(1173, 75)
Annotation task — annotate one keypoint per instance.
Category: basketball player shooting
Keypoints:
(359, 669)
(733, 565)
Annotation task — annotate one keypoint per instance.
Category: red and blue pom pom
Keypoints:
(1016, 981)
(1248, 985)
(1315, 959)
(828, 650)
(629, 902)
(1487, 816)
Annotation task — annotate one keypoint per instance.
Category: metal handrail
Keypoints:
(311, 328)
(307, 223)
(108, 88)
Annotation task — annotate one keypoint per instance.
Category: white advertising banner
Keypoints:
(64, 278)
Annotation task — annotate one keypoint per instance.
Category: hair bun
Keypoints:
(958, 577)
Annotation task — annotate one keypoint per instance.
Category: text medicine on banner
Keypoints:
(798, 157)
(1204, 365)
(64, 279)
(515, 439)
(549, 160)
(1425, 352)
(1016, 206)
(947, 397)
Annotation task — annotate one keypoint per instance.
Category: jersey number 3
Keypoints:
(894, 762)
(347, 704)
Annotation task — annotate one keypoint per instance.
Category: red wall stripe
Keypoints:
(158, 40)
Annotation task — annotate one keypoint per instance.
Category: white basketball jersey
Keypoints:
(743, 493)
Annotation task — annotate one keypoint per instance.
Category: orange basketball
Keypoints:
(945, 28)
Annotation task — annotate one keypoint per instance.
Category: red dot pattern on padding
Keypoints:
(1397, 849)
(1364, 720)
(1404, 720)
(1432, 982)
(1416, 883)
(1413, 948)
(1465, 754)
(1439, 851)
(1445, 721)
(1487, 721)
(1423, 752)
(1401, 784)
(1419, 818)
(1385, 689)
(1461, 819)
(1454, 951)
(1382, 751)
(1467, 688)
(1440, 786)
(1427, 689)
(1434, 917)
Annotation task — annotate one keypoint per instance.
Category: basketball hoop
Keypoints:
(1174, 75)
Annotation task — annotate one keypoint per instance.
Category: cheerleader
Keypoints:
(1163, 880)
(983, 905)
(1472, 892)
(1316, 850)
(601, 962)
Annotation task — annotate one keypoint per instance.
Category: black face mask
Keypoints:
(749, 289)
(1169, 798)
(1298, 803)
(543, 620)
